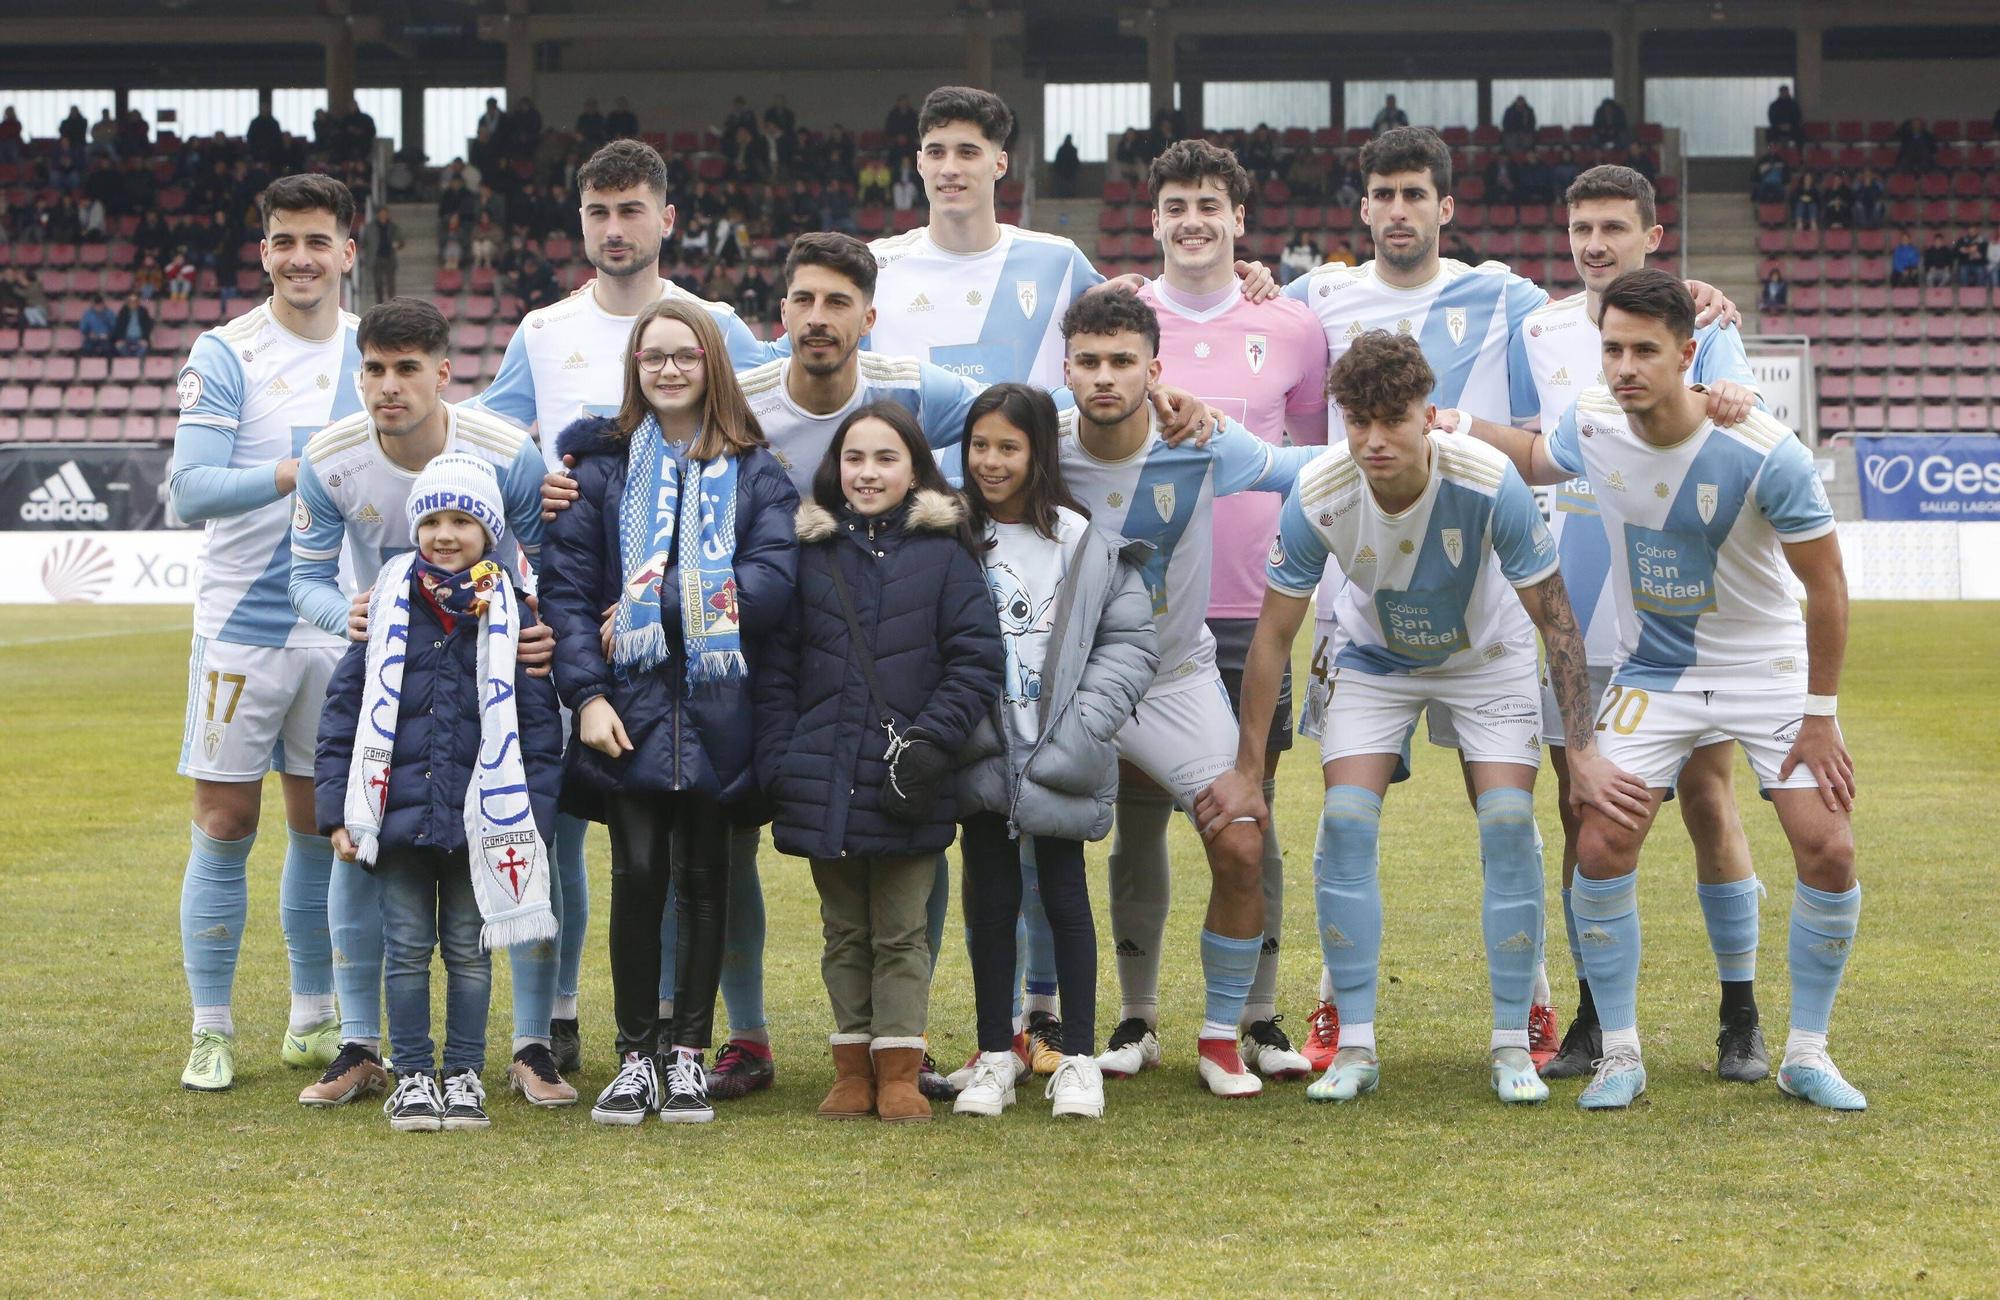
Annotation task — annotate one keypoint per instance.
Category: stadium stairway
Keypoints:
(1075, 219)
(1722, 245)
(418, 265)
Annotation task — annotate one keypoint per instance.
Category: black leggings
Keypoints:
(645, 831)
(992, 910)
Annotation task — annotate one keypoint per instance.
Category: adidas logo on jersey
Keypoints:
(921, 302)
(1561, 376)
(64, 497)
(278, 388)
(576, 362)
(368, 515)
(1615, 481)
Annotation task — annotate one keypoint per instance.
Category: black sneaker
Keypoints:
(465, 1101)
(739, 1071)
(686, 1089)
(632, 1095)
(416, 1106)
(566, 1044)
(1581, 1047)
(932, 1084)
(1739, 1050)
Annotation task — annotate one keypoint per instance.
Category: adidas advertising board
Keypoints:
(67, 488)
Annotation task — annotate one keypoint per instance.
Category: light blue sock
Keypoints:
(1037, 942)
(1227, 967)
(940, 903)
(1511, 911)
(1569, 928)
(670, 928)
(1607, 919)
(215, 902)
(535, 967)
(573, 884)
(302, 911)
(1730, 912)
(1347, 895)
(354, 916)
(1823, 927)
(743, 936)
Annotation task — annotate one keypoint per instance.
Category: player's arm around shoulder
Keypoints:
(318, 530)
(576, 577)
(1537, 457)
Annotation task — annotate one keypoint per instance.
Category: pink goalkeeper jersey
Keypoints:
(1260, 364)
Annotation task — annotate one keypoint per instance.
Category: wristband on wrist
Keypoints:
(1822, 706)
(1460, 422)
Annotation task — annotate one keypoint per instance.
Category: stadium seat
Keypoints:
(72, 428)
(60, 370)
(106, 428)
(38, 429)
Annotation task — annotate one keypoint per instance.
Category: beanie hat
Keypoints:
(462, 482)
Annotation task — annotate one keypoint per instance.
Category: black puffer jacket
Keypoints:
(938, 658)
(698, 742)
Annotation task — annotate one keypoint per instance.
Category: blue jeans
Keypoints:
(427, 903)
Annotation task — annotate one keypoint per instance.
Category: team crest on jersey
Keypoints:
(1201, 350)
(1256, 347)
(1453, 540)
(189, 388)
(1454, 323)
(1277, 552)
(302, 515)
(1024, 293)
(1704, 501)
(1163, 500)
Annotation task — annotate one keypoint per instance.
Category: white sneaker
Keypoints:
(1076, 1088)
(1222, 1071)
(961, 1079)
(1268, 1051)
(1134, 1047)
(990, 1090)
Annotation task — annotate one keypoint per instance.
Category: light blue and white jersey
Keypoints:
(1558, 355)
(351, 492)
(938, 399)
(1698, 570)
(1429, 589)
(1464, 318)
(1165, 495)
(994, 316)
(251, 394)
(567, 361)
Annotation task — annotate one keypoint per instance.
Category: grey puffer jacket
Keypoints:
(1102, 655)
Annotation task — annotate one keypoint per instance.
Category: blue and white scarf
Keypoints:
(700, 527)
(510, 864)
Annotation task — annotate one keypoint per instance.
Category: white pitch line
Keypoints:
(91, 636)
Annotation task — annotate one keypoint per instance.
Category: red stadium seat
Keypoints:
(38, 429)
(72, 428)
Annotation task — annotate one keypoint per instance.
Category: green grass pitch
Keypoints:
(114, 1179)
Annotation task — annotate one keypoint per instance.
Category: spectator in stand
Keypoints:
(1940, 262)
(780, 148)
(22, 300)
(1348, 192)
(1517, 124)
(621, 123)
(1563, 170)
(839, 151)
(753, 295)
(1905, 261)
(1871, 202)
(74, 129)
(1608, 125)
(104, 136)
(97, 326)
(1535, 183)
(264, 138)
(491, 205)
(132, 332)
(12, 301)
(1065, 168)
(779, 114)
(1126, 156)
(491, 119)
(381, 241)
(451, 243)
(1805, 202)
(909, 187)
(1502, 183)
(1342, 255)
(180, 274)
(740, 117)
(1785, 122)
(1916, 147)
(93, 231)
(1776, 295)
(486, 240)
(901, 125)
(1389, 115)
(153, 236)
(1837, 203)
(874, 181)
(1300, 256)
(1971, 251)
(149, 279)
(1772, 178)
(749, 156)
(535, 283)
(354, 137)
(135, 138)
(1993, 258)
(590, 125)
(836, 211)
(697, 238)
(1259, 154)
(12, 136)
(63, 224)
(66, 167)
(1458, 249)
(455, 202)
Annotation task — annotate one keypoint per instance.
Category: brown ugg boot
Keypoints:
(853, 1093)
(897, 1100)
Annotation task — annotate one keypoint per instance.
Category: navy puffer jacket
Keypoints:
(938, 658)
(701, 743)
(437, 735)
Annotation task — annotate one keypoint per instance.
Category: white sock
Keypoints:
(217, 1018)
(1210, 1029)
(1361, 1034)
(372, 1044)
(1325, 985)
(1805, 1046)
(761, 1035)
(564, 1008)
(1256, 1011)
(1626, 1038)
(310, 1011)
(1020, 1025)
(523, 1041)
(1039, 1002)
(1149, 1012)
(1541, 996)
(1510, 1038)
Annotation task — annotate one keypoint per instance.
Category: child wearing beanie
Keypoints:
(438, 766)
